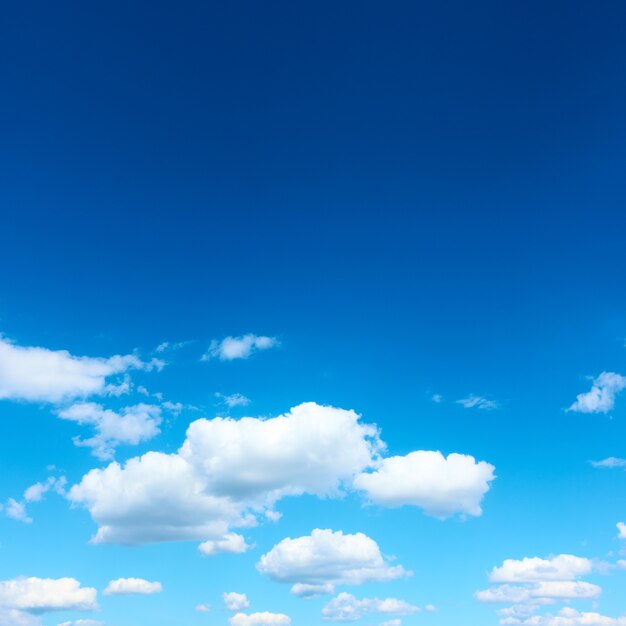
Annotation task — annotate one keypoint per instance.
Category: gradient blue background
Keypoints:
(416, 197)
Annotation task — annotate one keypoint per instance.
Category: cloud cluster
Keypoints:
(531, 582)
(228, 472)
(315, 563)
(346, 608)
(225, 473)
(566, 617)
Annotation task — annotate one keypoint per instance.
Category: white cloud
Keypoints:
(610, 462)
(36, 492)
(234, 601)
(225, 471)
(233, 400)
(540, 591)
(231, 543)
(132, 586)
(203, 608)
(534, 569)
(46, 594)
(17, 511)
(40, 375)
(326, 557)
(346, 608)
(601, 397)
(478, 402)
(437, 397)
(621, 527)
(441, 486)
(132, 425)
(305, 590)
(83, 622)
(231, 348)
(392, 622)
(260, 619)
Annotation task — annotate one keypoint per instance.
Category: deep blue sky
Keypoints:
(415, 198)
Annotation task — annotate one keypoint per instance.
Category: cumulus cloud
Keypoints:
(260, 619)
(132, 586)
(346, 608)
(37, 374)
(305, 590)
(226, 471)
(231, 348)
(40, 595)
(132, 425)
(328, 558)
(478, 402)
(610, 463)
(532, 569)
(621, 527)
(234, 601)
(232, 543)
(601, 397)
(441, 486)
(203, 608)
(36, 492)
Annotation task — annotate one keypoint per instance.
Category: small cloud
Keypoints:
(132, 586)
(601, 397)
(233, 400)
(234, 601)
(231, 348)
(437, 397)
(17, 511)
(478, 402)
(622, 530)
(173, 407)
(609, 462)
(231, 542)
(203, 608)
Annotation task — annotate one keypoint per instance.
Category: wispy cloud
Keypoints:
(242, 347)
(478, 402)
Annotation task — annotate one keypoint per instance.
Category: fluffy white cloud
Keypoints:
(260, 619)
(40, 375)
(346, 608)
(610, 462)
(230, 543)
(327, 558)
(132, 425)
(225, 470)
(132, 586)
(234, 601)
(601, 397)
(441, 486)
(534, 569)
(36, 492)
(540, 592)
(242, 347)
(13, 617)
(478, 402)
(567, 617)
(46, 594)
(621, 527)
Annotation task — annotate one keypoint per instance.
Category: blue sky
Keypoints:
(313, 313)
